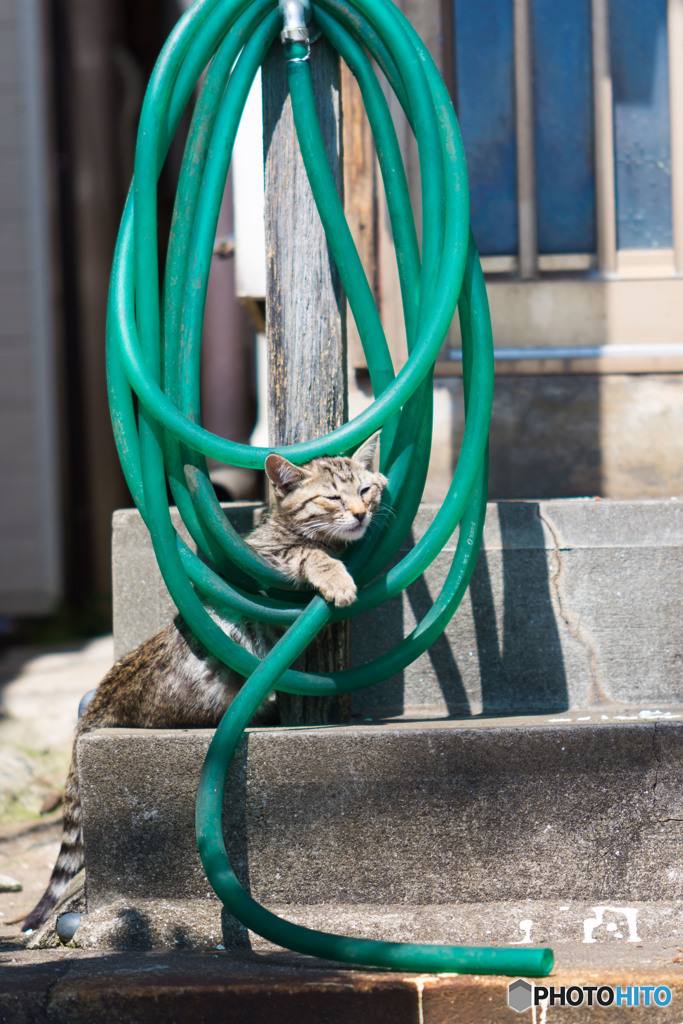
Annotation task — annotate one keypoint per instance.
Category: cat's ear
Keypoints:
(283, 475)
(366, 453)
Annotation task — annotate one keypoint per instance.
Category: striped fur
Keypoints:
(171, 681)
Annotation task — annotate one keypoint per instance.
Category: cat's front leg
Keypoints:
(330, 577)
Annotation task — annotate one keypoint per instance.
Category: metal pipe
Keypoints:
(526, 157)
(605, 197)
(295, 16)
(578, 352)
(675, 27)
(40, 312)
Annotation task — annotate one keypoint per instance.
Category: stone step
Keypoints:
(574, 602)
(564, 826)
(521, 831)
(71, 986)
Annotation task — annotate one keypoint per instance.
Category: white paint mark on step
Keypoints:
(543, 1007)
(525, 927)
(630, 915)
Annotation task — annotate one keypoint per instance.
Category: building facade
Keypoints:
(571, 114)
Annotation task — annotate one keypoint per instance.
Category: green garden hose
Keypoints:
(153, 357)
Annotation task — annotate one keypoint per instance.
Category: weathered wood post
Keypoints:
(305, 314)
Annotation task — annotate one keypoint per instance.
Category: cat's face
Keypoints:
(330, 499)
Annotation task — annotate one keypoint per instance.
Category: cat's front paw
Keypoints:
(339, 589)
(347, 595)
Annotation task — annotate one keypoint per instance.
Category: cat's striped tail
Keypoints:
(70, 858)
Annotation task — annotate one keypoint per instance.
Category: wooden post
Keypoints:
(305, 315)
(360, 197)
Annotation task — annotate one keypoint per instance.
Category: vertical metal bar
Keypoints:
(605, 198)
(675, 27)
(33, 30)
(526, 162)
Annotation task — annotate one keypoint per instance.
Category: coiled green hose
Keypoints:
(153, 356)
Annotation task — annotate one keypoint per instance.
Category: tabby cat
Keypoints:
(171, 681)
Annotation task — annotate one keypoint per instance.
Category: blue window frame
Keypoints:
(563, 125)
(640, 84)
(561, 49)
(485, 89)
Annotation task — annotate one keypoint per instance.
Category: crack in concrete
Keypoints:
(658, 761)
(572, 623)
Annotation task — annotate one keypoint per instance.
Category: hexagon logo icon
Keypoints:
(520, 996)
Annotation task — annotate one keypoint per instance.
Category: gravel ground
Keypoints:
(40, 690)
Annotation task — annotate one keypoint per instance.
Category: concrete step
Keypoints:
(513, 831)
(73, 986)
(562, 827)
(574, 602)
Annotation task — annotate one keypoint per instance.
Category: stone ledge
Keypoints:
(573, 602)
(202, 924)
(400, 816)
(73, 986)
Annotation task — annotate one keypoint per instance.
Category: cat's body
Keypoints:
(171, 681)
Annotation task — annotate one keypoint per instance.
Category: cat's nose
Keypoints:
(360, 516)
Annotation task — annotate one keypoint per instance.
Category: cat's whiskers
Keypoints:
(384, 513)
(315, 526)
(350, 531)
